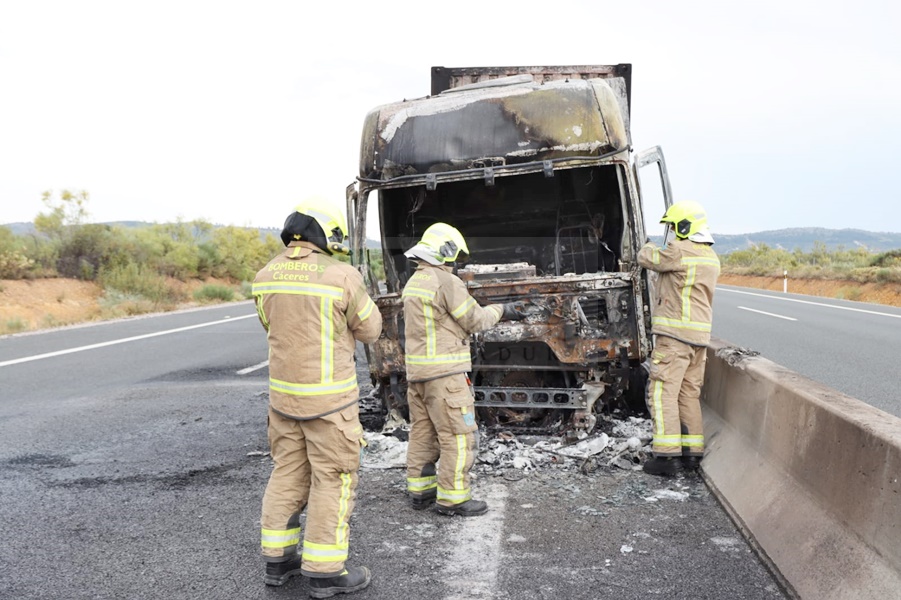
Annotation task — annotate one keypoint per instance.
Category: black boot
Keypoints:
(663, 465)
(426, 498)
(691, 463)
(351, 580)
(278, 573)
(470, 508)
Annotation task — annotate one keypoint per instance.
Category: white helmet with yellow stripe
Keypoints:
(441, 244)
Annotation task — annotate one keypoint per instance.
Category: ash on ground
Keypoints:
(616, 444)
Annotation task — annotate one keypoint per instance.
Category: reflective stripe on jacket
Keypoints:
(687, 277)
(439, 317)
(313, 307)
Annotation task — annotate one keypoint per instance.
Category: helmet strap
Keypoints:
(448, 250)
(336, 248)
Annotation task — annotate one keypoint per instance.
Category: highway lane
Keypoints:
(136, 470)
(35, 343)
(850, 346)
(131, 470)
(76, 362)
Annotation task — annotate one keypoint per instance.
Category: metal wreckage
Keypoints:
(534, 166)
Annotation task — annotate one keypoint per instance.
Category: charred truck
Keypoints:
(534, 166)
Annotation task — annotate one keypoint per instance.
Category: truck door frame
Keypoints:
(645, 158)
(357, 204)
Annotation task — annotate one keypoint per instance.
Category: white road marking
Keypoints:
(121, 341)
(471, 571)
(768, 314)
(860, 310)
(265, 363)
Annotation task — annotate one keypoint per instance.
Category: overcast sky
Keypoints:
(771, 114)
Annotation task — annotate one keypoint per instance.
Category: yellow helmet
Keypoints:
(330, 228)
(687, 217)
(441, 244)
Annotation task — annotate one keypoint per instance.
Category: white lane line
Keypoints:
(767, 314)
(860, 310)
(121, 341)
(265, 363)
(471, 571)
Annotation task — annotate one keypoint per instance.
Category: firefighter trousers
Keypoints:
(316, 463)
(442, 429)
(674, 393)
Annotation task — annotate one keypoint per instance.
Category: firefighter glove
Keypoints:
(514, 311)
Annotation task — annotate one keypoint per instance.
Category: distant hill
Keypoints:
(21, 228)
(28, 228)
(802, 238)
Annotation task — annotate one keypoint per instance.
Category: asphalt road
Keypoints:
(852, 347)
(133, 469)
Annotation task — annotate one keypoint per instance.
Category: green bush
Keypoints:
(14, 325)
(760, 260)
(208, 258)
(240, 251)
(14, 265)
(14, 260)
(214, 293)
(856, 265)
(115, 304)
(890, 259)
(889, 275)
(49, 322)
(82, 250)
(849, 293)
(24, 257)
(140, 281)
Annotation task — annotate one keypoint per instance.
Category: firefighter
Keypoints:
(314, 308)
(687, 270)
(439, 317)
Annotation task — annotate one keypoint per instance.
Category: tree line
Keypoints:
(138, 260)
(132, 260)
(856, 264)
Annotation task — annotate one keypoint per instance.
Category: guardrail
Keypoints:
(811, 476)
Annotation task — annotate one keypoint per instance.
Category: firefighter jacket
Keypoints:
(439, 317)
(687, 277)
(313, 307)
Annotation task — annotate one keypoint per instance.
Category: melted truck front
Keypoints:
(534, 166)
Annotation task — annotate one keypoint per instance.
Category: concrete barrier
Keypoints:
(812, 476)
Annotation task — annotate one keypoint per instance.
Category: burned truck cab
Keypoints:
(534, 166)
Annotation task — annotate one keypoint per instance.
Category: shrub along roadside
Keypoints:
(140, 281)
(138, 267)
(852, 265)
(64, 245)
(135, 265)
(214, 293)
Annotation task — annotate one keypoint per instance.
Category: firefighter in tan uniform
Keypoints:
(439, 317)
(681, 321)
(313, 308)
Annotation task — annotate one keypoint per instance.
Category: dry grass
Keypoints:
(888, 293)
(28, 305)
